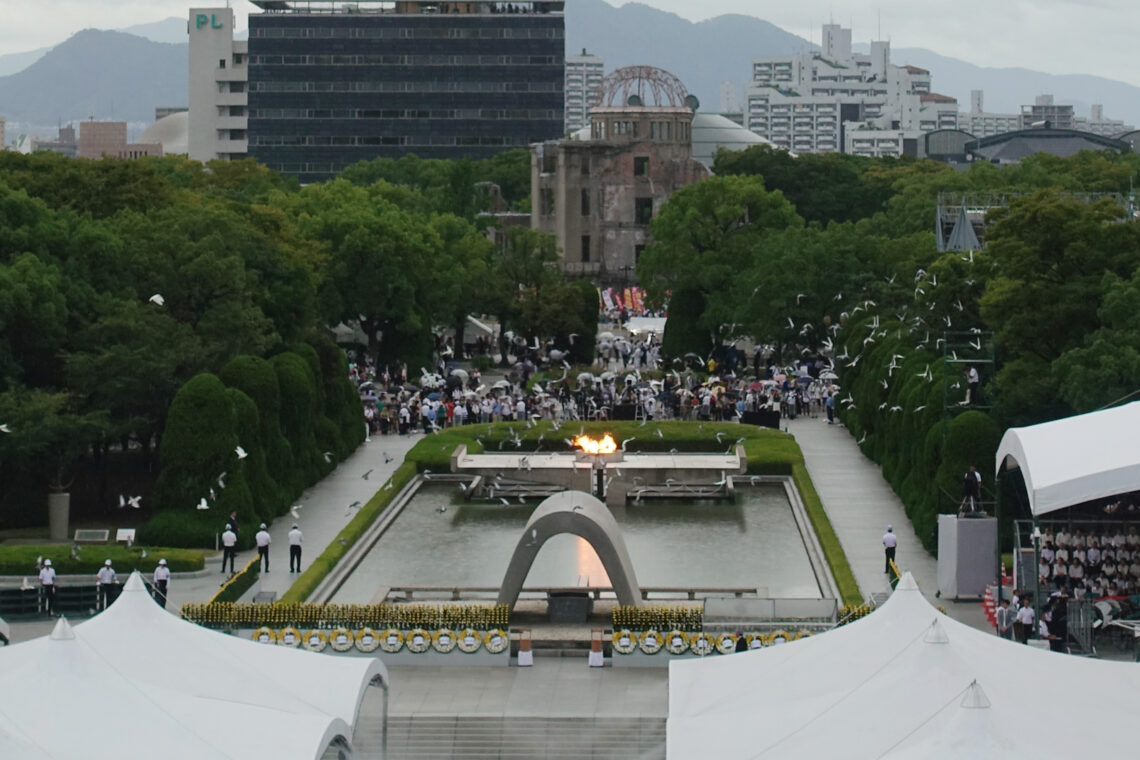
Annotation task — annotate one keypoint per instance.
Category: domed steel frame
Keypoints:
(655, 87)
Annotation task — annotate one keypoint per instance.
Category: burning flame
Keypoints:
(604, 445)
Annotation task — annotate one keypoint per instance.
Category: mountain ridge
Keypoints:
(121, 75)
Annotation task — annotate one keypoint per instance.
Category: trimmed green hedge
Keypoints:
(21, 560)
(239, 583)
(323, 564)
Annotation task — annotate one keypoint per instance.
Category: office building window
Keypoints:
(221, 63)
(640, 166)
(637, 251)
(585, 248)
(585, 202)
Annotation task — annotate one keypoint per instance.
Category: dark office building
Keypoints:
(334, 83)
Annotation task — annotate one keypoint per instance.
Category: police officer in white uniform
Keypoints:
(106, 579)
(263, 540)
(890, 542)
(47, 587)
(161, 583)
(229, 548)
(295, 538)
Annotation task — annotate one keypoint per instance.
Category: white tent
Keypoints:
(904, 682)
(137, 676)
(1076, 459)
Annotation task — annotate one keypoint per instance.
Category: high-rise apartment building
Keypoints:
(333, 83)
(218, 82)
(584, 75)
(819, 102)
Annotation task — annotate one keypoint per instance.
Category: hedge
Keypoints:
(899, 391)
(239, 583)
(323, 564)
(21, 560)
(197, 444)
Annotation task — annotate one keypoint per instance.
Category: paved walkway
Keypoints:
(324, 513)
(860, 505)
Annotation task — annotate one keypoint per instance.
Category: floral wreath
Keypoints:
(265, 635)
(650, 642)
(289, 637)
(367, 640)
(625, 641)
(496, 640)
(443, 640)
(469, 640)
(726, 643)
(315, 640)
(417, 640)
(676, 642)
(392, 640)
(703, 644)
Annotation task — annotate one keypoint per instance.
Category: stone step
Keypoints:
(452, 737)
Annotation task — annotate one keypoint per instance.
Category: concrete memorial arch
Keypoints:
(582, 515)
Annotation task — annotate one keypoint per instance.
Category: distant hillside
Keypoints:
(702, 55)
(109, 75)
(705, 54)
(1006, 90)
(13, 62)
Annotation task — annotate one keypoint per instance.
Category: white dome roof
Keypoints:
(172, 131)
(711, 131)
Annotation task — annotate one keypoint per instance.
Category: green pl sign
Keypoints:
(201, 19)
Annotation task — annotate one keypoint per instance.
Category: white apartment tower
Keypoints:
(218, 87)
(583, 82)
(837, 100)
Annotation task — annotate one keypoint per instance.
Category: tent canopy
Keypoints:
(177, 689)
(906, 681)
(1076, 459)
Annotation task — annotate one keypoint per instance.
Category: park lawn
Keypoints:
(21, 560)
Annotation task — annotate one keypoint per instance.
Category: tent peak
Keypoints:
(936, 633)
(975, 697)
(62, 630)
(907, 583)
(135, 582)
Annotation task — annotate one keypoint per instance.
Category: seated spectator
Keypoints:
(1076, 571)
(1064, 539)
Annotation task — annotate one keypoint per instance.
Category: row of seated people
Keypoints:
(1093, 562)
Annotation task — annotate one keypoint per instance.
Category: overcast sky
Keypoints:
(1055, 36)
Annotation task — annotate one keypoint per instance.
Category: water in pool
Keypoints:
(753, 542)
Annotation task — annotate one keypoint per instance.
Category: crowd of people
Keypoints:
(626, 382)
(1095, 561)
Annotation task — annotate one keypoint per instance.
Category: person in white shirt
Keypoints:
(229, 548)
(295, 538)
(263, 540)
(890, 543)
(161, 583)
(1024, 625)
(106, 579)
(47, 587)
